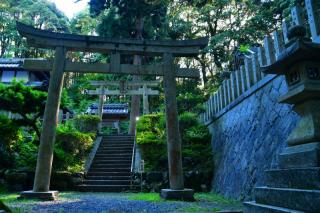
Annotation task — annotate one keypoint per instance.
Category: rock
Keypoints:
(154, 177)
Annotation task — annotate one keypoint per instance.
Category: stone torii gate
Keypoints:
(102, 92)
(62, 43)
(123, 90)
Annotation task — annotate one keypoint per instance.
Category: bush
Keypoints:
(196, 142)
(26, 157)
(9, 135)
(86, 123)
(151, 129)
(71, 148)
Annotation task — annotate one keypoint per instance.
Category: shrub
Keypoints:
(71, 148)
(9, 135)
(196, 145)
(187, 120)
(86, 123)
(151, 129)
(26, 155)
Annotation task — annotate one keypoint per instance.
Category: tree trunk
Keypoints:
(135, 99)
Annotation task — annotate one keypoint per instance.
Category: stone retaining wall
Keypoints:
(247, 137)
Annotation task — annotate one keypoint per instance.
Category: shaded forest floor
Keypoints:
(120, 202)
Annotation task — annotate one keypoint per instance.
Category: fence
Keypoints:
(249, 74)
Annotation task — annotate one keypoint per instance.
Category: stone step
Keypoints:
(115, 150)
(114, 155)
(127, 169)
(108, 174)
(253, 207)
(110, 152)
(116, 144)
(107, 182)
(298, 199)
(116, 147)
(112, 161)
(108, 177)
(118, 137)
(117, 140)
(116, 159)
(99, 165)
(303, 178)
(104, 188)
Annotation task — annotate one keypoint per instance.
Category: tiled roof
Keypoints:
(9, 65)
(109, 109)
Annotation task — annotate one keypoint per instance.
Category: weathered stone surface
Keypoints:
(171, 194)
(300, 156)
(298, 199)
(303, 178)
(49, 195)
(253, 207)
(247, 140)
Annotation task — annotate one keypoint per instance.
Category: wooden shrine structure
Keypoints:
(62, 43)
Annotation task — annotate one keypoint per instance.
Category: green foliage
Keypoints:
(150, 129)
(9, 135)
(25, 102)
(71, 148)
(196, 142)
(39, 13)
(150, 197)
(86, 123)
(26, 157)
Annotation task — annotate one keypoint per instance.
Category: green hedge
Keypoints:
(71, 148)
(196, 142)
(86, 123)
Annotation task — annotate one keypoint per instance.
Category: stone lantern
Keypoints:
(300, 63)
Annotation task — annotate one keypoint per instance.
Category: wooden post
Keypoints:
(45, 156)
(145, 100)
(172, 125)
(100, 108)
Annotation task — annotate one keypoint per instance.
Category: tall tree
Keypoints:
(38, 13)
(138, 19)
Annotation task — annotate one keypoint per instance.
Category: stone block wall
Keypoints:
(247, 137)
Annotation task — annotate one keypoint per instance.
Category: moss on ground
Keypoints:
(205, 202)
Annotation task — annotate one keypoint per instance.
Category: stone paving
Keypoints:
(120, 202)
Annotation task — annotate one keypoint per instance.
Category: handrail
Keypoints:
(133, 155)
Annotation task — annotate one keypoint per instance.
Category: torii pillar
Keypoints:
(177, 190)
(50, 121)
(100, 109)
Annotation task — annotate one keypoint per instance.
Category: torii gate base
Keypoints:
(50, 195)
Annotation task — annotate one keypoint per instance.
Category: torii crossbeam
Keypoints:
(62, 43)
(123, 86)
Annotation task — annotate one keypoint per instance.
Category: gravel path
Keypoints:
(110, 202)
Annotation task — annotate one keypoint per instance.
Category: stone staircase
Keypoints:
(288, 190)
(110, 170)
